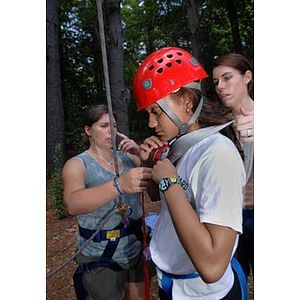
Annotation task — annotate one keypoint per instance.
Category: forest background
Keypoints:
(133, 30)
(23, 151)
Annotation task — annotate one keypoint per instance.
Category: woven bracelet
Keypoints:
(117, 185)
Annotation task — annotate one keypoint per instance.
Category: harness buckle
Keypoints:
(113, 234)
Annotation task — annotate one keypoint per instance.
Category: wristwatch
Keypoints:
(165, 183)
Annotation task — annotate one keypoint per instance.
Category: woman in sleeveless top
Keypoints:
(90, 192)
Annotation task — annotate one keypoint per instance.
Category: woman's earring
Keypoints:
(90, 138)
(187, 111)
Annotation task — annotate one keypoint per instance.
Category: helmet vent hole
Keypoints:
(160, 61)
(151, 68)
(169, 55)
(178, 61)
(169, 65)
(160, 70)
(179, 53)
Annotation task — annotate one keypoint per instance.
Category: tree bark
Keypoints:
(119, 92)
(234, 22)
(54, 105)
(193, 23)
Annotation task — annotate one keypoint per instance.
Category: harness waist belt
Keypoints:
(167, 281)
(115, 233)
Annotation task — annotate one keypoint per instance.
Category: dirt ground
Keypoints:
(61, 244)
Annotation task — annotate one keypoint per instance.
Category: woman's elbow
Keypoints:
(71, 212)
(211, 278)
(212, 274)
(69, 208)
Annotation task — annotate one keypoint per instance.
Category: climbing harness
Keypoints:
(105, 219)
(113, 238)
(167, 280)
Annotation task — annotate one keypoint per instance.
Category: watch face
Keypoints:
(173, 180)
(164, 184)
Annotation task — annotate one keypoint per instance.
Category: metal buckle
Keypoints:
(124, 209)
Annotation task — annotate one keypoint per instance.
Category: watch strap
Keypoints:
(165, 183)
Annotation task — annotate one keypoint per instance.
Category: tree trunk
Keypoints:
(119, 93)
(55, 113)
(193, 23)
(234, 22)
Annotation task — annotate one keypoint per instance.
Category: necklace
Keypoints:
(108, 160)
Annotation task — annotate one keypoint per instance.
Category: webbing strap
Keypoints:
(248, 158)
(103, 235)
(166, 108)
(242, 278)
(185, 142)
(106, 258)
(183, 127)
(96, 264)
(167, 281)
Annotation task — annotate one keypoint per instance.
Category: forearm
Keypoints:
(208, 252)
(189, 230)
(87, 200)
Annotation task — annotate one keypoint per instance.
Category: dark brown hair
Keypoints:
(91, 116)
(212, 113)
(237, 62)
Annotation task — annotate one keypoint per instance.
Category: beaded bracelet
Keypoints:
(117, 185)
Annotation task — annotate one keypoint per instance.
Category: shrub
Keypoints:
(56, 191)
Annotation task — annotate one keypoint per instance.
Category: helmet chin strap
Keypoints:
(183, 127)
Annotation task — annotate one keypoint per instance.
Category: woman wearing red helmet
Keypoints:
(201, 216)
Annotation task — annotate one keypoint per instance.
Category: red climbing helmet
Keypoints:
(163, 72)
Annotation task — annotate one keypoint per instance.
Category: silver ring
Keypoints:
(248, 133)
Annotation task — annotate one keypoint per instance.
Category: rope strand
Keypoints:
(120, 203)
(108, 215)
(107, 85)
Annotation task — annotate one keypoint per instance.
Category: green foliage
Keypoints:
(81, 71)
(56, 191)
(147, 26)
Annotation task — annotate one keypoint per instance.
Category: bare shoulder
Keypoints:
(74, 167)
